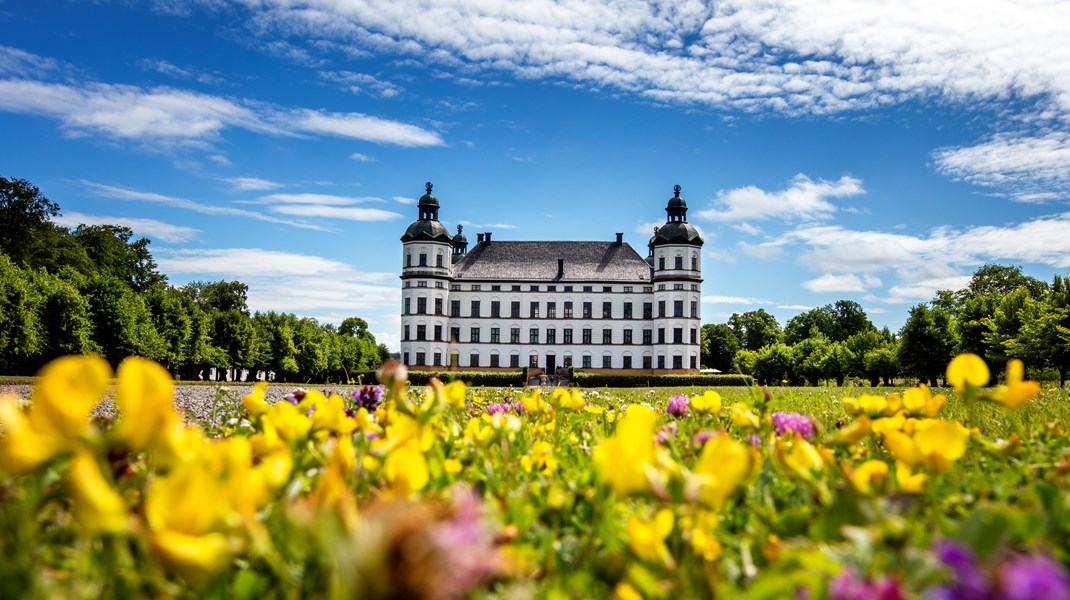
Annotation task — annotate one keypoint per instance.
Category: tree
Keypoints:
(1000, 280)
(20, 337)
(773, 363)
(808, 355)
(836, 363)
(925, 343)
(66, 326)
(25, 215)
(755, 329)
(720, 346)
(806, 324)
(113, 254)
(848, 318)
(880, 364)
(122, 323)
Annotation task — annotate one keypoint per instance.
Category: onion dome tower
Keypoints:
(676, 261)
(425, 276)
(460, 245)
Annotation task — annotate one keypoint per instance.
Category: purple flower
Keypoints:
(519, 408)
(800, 424)
(1025, 577)
(702, 437)
(754, 440)
(666, 433)
(847, 586)
(500, 407)
(368, 397)
(676, 407)
(970, 582)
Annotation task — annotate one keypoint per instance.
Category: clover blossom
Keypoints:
(784, 422)
(500, 407)
(677, 407)
(1016, 578)
(368, 397)
(848, 586)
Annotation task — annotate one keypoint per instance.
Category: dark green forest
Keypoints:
(96, 289)
(1001, 314)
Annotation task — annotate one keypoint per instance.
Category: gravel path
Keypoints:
(199, 401)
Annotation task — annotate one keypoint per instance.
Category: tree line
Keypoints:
(95, 289)
(1001, 314)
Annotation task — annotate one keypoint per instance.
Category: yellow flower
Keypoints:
(1016, 392)
(144, 396)
(967, 370)
(796, 457)
(330, 415)
(291, 422)
(254, 401)
(535, 403)
(935, 444)
(724, 465)
(569, 398)
(96, 506)
(622, 458)
(909, 483)
(873, 406)
(540, 458)
(625, 591)
(452, 466)
(869, 477)
(647, 538)
(853, 433)
(22, 449)
(743, 418)
(70, 388)
(195, 557)
(919, 401)
(454, 393)
(708, 402)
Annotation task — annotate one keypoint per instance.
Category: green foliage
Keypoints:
(598, 380)
(471, 378)
(755, 329)
(20, 322)
(925, 343)
(719, 347)
(24, 219)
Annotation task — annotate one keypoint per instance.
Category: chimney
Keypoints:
(488, 237)
(479, 238)
(620, 239)
(560, 268)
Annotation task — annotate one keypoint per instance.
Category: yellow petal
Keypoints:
(941, 442)
(195, 557)
(22, 449)
(967, 370)
(902, 447)
(97, 507)
(254, 401)
(144, 396)
(70, 388)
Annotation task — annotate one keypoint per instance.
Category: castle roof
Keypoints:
(538, 261)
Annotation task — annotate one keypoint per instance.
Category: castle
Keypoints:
(586, 305)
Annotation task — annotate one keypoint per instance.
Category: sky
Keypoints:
(828, 149)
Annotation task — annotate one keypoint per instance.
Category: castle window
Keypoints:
(586, 362)
(408, 260)
(586, 310)
(627, 310)
(661, 308)
(407, 305)
(476, 287)
(551, 336)
(495, 335)
(421, 284)
(551, 310)
(568, 335)
(423, 259)
(495, 288)
(475, 308)
(677, 335)
(455, 334)
(694, 309)
(534, 288)
(646, 362)
(678, 308)
(607, 336)
(420, 358)
(586, 336)
(648, 310)
(438, 306)
(421, 306)
(679, 262)
(607, 362)
(533, 336)
(438, 261)
(627, 362)
(693, 363)
(474, 360)
(438, 334)
(455, 308)
(495, 308)
(607, 310)
(661, 338)
(514, 335)
(694, 263)
(514, 361)
(514, 310)
(421, 334)
(661, 362)
(678, 362)
(474, 336)
(437, 359)
(627, 289)
(534, 310)
(588, 288)
(677, 286)
(405, 333)
(494, 360)
(647, 339)
(628, 336)
(661, 263)
(533, 361)
(607, 288)
(694, 335)
(568, 310)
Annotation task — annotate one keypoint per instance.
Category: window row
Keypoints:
(535, 309)
(678, 263)
(586, 361)
(550, 335)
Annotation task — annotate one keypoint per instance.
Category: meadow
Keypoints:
(446, 491)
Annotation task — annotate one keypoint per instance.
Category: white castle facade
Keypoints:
(588, 305)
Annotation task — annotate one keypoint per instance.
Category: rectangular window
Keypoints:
(568, 335)
(586, 336)
(551, 310)
(568, 360)
(534, 310)
(661, 362)
(455, 334)
(627, 362)
(551, 336)
(693, 359)
(661, 263)
(514, 361)
(628, 336)
(534, 288)
(474, 335)
(661, 335)
(586, 310)
(677, 335)
(648, 310)
(475, 308)
(516, 288)
(405, 358)
(406, 305)
(456, 287)
(694, 267)
(438, 261)
(420, 358)
(514, 310)
(568, 310)
(694, 309)
(551, 288)
(677, 362)
(495, 308)
(533, 360)
(437, 358)
(627, 310)
(476, 287)
(568, 288)
(438, 333)
(607, 310)
(646, 362)
(405, 333)
(474, 360)
(438, 306)
(677, 286)
(421, 306)
(694, 335)
(607, 288)
(408, 260)
(679, 262)
(607, 362)
(607, 336)
(455, 360)
(421, 284)
(421, 333)
(677, 308)
(586, 362)
(647, 339)
(533, 336)
(439, 285)
(495, 288)
(647, 289)
(627, 289)
(423, 260)
(661, 308)
(514, 335)
(494, 360)
(588, 288)
(455, 308)
(495, 335)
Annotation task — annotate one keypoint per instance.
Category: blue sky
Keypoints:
(833, 149)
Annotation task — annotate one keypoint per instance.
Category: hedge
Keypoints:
(472, 378)
(593, 380)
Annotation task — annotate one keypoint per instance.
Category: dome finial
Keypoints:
(458, 229)
(676, 189)
(429, 186)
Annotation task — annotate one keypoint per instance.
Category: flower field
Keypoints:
(450, 492)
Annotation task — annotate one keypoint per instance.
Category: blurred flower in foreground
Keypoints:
(784, 422)
(1016, 392)
(967, 370)
(676, 407)
(622, 458)
(1018, 577)
(848, 586)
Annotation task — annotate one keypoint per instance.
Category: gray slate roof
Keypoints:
(526, 261)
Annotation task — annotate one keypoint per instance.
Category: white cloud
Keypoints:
(804, 199)
(254, 184)
(490, 226)
(364, 127)
(321, 199)
(841, 283)
(151, 228)
(733, 300)
(405, 200)
(336, 212)
(360, 157)
(1027, 167)
(362, 83)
